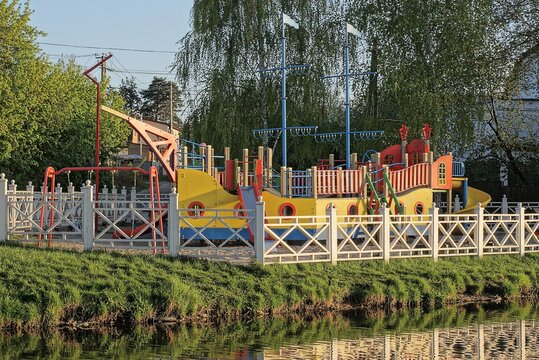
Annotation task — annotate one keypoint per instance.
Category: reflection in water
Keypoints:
(509, 333)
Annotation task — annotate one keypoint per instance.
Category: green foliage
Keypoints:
(47, 111)
(440, 63)
(156, 100)
(52, 285)
(128, 90)
(276, 336)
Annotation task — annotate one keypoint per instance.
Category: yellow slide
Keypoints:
(474, 196)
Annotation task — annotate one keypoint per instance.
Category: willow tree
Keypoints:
(230, 40)
(435, 60)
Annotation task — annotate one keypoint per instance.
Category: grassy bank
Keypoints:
(40, 287)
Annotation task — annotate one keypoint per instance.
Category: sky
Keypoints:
(132, 24)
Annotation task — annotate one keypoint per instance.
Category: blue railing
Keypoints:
(458, 168)
(302, 183)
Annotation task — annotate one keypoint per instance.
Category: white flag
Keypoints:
(289, 21)
(352, 30)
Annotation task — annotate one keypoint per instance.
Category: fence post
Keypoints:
(505, 205)
(386, 233)
(521, 230)
(333, 241)
(479, 230)
(456, 204)
(123, 194)
(385, 186)
(209, 160)
(259, 230)
(12, 186)
(70, 189)
(283, 181)
(245, 167)
(173, 233)
(289, 180)
(133, 202)
(314, 182)
(433, 234)
(3, 208)
(353, 160)
(269, 166)
(88, 223)
(363, 182)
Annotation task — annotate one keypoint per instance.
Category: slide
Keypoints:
(474, 196)
(248, 195)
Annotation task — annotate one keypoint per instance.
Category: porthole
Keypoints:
(419, 208)
(287, 209)
(352, 209)
(196, 208)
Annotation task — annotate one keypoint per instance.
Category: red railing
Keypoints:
(335, 182)
(411, 177)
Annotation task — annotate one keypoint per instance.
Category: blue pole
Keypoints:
(347, 101)
(283, 96)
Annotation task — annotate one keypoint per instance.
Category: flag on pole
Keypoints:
(352, 30)
(289, 21)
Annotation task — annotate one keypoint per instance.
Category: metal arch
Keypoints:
(295, 131)
(337, 136)
(261, 134)
(302, 130)
(367, 135)
(328, 137)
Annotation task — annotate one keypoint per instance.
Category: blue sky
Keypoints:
(136, 24)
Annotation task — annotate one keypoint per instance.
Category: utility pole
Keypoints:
(171, 118)
(101, 58)
(98, 119)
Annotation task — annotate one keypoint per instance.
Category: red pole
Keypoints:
(97, 140)
(98, 121)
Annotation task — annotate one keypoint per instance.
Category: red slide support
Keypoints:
(160, 142)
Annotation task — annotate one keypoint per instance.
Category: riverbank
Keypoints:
(46, 288)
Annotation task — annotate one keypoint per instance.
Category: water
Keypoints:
(457, 333)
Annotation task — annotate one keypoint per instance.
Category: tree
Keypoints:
(47, 111)
(128, 90)
(156, 100)
(230, 40)
(436, 60)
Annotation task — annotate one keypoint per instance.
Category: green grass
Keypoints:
(40, 287)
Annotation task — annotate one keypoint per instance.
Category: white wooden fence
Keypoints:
(117, 221)
(334, 238)
(128, 221)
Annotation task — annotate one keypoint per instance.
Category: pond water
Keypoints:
(509, 332)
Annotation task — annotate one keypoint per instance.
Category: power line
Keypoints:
(70, 55)
(143, 72)
(107, 48)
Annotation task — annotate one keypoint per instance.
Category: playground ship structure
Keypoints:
(404, 177)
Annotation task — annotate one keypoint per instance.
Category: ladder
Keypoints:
(376, 200)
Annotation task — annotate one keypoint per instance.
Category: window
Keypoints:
(388, 159)
(352, 209)
(441, 174)
(418, 208)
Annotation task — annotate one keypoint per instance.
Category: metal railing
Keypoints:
(458, 168)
